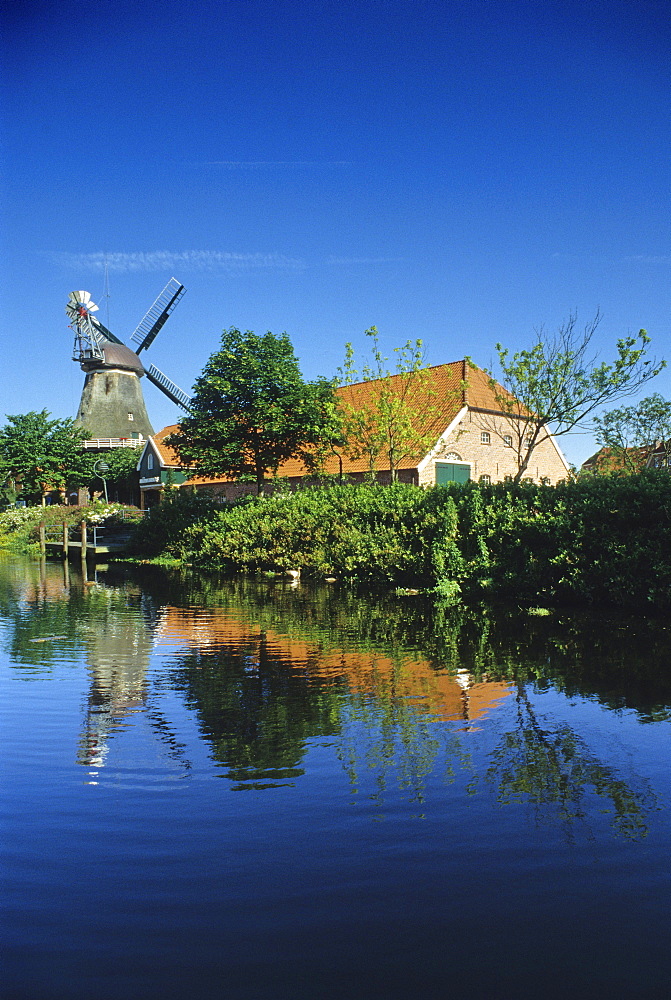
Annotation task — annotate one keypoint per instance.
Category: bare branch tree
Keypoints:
(558, 383)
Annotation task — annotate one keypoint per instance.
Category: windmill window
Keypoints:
(131, 417)
(508, 440)
(485, 437)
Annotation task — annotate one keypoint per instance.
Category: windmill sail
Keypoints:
(107, 334)
(157, 314)
(171, 390)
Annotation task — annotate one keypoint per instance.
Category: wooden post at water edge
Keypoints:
(83, 529)
(43, 539)
(66, 539)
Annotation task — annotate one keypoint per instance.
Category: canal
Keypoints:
(243, 789)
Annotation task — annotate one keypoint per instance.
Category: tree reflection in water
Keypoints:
(394, 686)
(551, 768)
(256, 712)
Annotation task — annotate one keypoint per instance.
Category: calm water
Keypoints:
(237, 790)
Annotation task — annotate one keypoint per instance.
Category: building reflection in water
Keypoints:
(122, 636)
(264, 673)
(264, 684)
(439, 693)
(118, 644)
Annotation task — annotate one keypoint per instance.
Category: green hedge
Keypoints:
(367, 533)
(603, 540)
(163, 526)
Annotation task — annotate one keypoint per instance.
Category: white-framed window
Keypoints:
(508, 440)
(131, 416)
(485, 437)
(150, 461)
(527, 441)
(545, 481)
(528, 479)
(452, 456)
(485, 480)
(507, 479)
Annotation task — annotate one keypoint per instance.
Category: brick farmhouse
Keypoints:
(473, 438)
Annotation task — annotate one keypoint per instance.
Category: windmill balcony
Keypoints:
(103, 444)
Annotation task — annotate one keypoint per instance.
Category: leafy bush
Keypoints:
(161, 529)
(601, 540)
(15, 518)
(369, 532)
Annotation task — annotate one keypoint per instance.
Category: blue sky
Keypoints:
(463, 172)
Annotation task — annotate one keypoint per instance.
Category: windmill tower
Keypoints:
(112, 404)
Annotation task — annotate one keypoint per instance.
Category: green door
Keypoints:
(452, 472)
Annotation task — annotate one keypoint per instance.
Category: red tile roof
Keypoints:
(613, 460)
(440, 393)
(167, 455)
(436, 398)
(169, 460)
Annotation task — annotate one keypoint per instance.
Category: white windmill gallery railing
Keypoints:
(94, 444)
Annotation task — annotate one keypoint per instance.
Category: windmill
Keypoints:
(112, 404)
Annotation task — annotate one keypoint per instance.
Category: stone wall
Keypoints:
(495, 459)
(112, 406)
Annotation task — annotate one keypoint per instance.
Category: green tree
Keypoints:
(251, 410)
(397, 417)
(38, 454)
(632, 433)
(555, 385)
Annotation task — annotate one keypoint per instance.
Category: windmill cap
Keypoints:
(119, 356)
